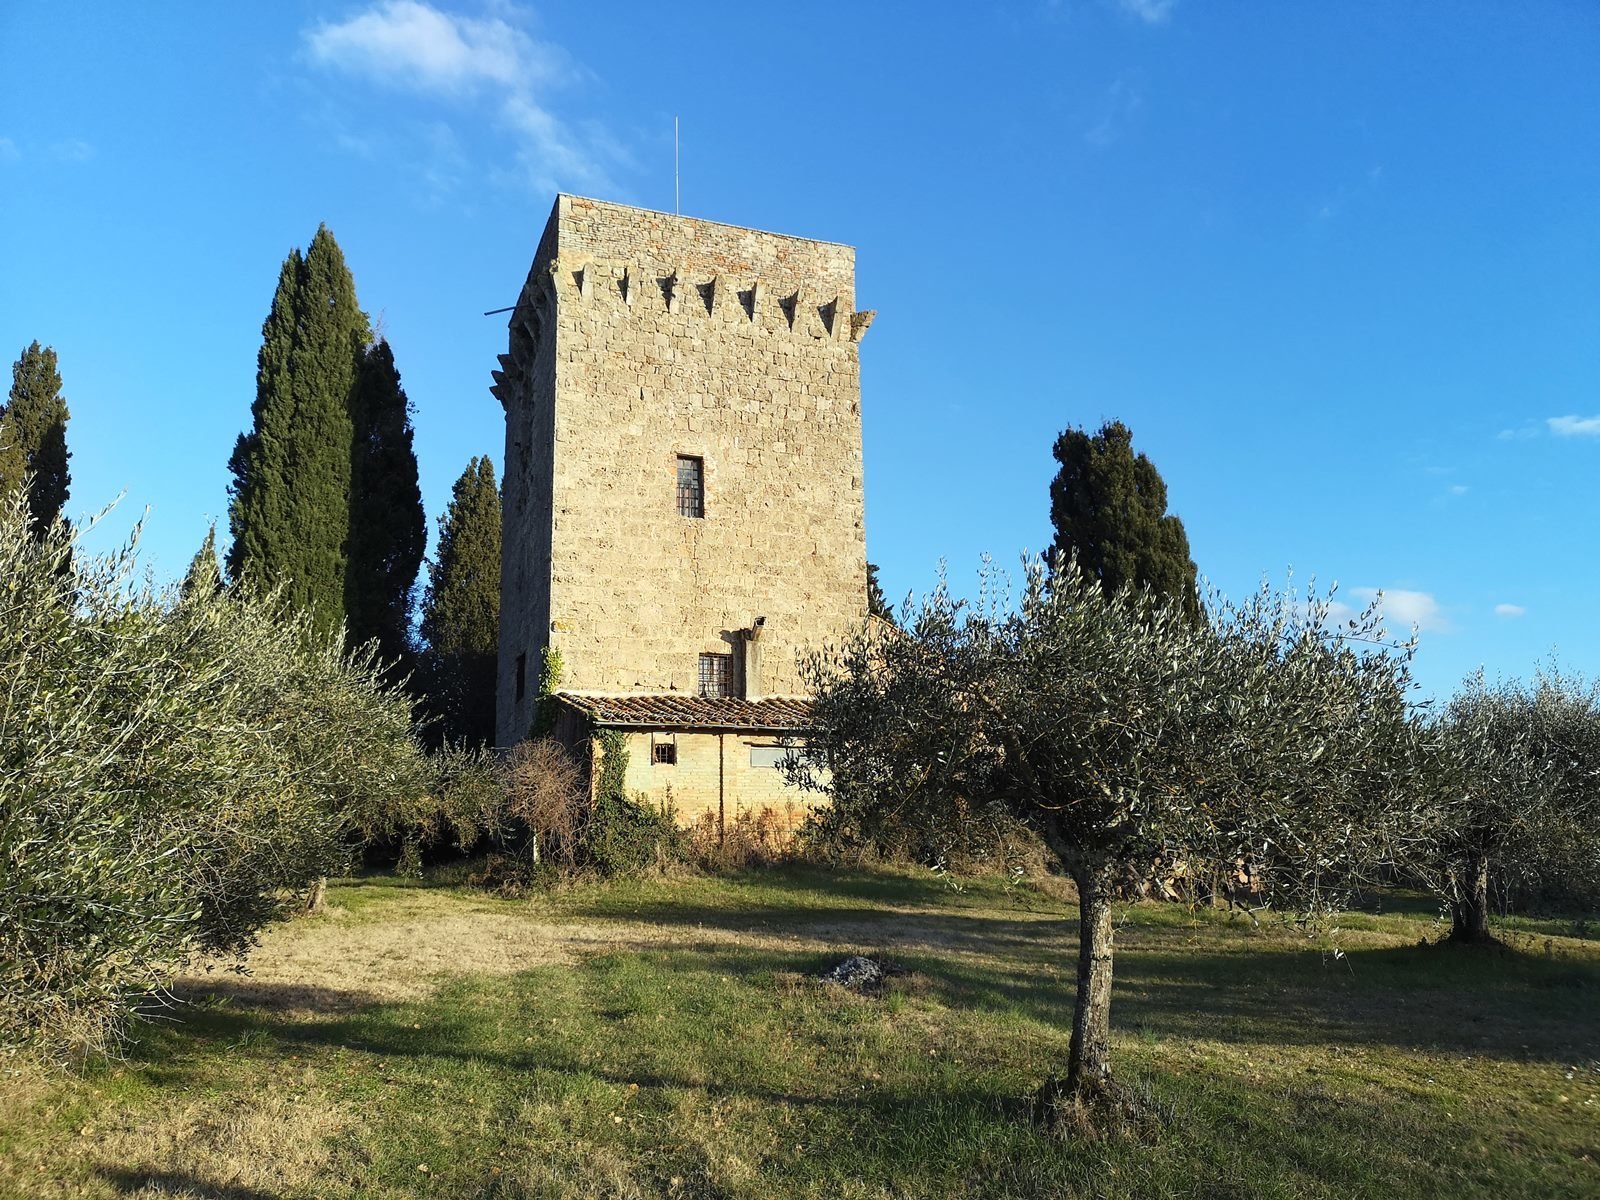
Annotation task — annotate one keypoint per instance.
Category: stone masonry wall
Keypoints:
(640, 337)
(709, 777)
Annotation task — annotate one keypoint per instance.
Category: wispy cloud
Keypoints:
(1335, 612)
(1151, 12)
(1121, 102)
(1333, 206)
(1400, 606)
(1572, 426)
(8, 151)
(73, 150)
(1509, 611)
(1459, 489)
(1338, 613)
(1520, 433)
(473, 62)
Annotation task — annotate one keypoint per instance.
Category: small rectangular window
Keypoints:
(664, 754)
(691, 486)
(716, 674)
(522, 675)
(768, 756)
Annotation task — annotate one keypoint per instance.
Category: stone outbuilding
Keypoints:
(683, 512)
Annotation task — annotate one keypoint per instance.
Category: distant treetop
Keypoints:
(1109, 508)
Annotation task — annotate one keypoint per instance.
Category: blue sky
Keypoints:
(1337, 266)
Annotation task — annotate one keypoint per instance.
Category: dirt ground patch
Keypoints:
(334, 962)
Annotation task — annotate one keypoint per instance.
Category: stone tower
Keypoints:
(683, 510)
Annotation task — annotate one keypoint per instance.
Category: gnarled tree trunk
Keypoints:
(1469, 904)
(318, 898)
(1089, 1056)
(1088, 1077)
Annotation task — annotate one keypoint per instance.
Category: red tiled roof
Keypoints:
(679, 711)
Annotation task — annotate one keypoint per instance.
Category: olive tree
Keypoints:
(1119, 728)
(1516, 768)
(170, 768)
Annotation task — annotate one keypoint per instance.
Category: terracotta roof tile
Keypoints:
(678, 711)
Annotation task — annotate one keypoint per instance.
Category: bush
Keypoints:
(469, 798)
(759, 837)
(171, 770)
(624, 837)
(534, 812)
(978, 840)
(1557, 874)
(545, 794)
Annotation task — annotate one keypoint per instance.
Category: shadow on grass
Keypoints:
(177, 1183)
(800, 888)
(920, 1132)
(1425, 906)
(1505, 1004)
(315, 999)
(1502, 1004)
(1512, 1001)
(552, 1034)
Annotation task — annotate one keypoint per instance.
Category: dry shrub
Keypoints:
(989, 843)
(537, 816)
(545, 792)
(758, 837)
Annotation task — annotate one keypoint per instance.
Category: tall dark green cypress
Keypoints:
(33, 436)
(461, 609)
(1109, 506)
(290, 498)
(877, 602)
(388, 531)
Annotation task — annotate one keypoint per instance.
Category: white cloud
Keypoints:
(1520, 434)
(1509, 610)
(73, 150)
(1408, 608)
(1459, 489)
(1573, 426)
(1338, 613)
(411, 46)
(1151, 12)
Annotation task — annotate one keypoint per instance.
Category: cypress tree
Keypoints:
(290, 497)
(1109, 506)
(388, 531)
(461, 609)
(33, 437)
(877, 602)
(204, 577)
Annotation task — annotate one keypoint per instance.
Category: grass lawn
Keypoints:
(665, 1038)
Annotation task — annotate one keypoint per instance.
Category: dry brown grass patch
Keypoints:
(261, 1143)
(270, 1142)
(328, 962)
(335, 962)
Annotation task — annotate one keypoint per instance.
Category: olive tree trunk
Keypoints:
(1469, 903)
(318, 899)
(1088, 1078)
(1089, 1055)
